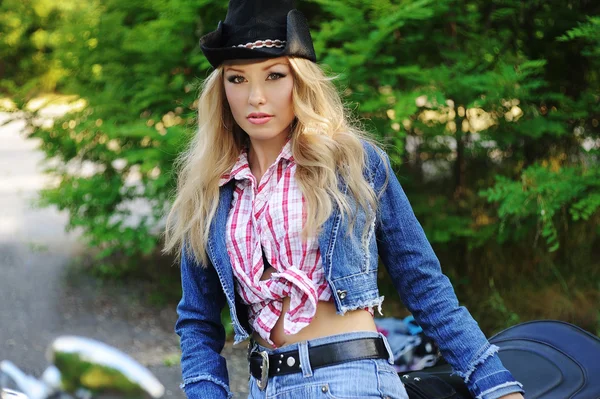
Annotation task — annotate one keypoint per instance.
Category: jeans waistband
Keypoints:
(254, 346)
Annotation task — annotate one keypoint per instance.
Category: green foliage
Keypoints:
(172, 360)
(542, 193)
(588, 31)
(26, 65)
(489, 109)
(134, 64)
(497, 304)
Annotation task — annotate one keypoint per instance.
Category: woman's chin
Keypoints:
(264, 133)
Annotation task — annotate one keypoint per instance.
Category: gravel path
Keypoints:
(44, 294)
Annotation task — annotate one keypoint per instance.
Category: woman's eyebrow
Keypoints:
(233, 69)
(229, 68)
(277, 63)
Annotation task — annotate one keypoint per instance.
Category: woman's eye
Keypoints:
(276, 75)
(236, 79)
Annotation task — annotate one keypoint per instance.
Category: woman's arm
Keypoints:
(428, 294)
(202, 334)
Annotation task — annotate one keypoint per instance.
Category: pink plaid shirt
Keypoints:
(269, 217)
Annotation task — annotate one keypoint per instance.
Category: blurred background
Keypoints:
(489, 109)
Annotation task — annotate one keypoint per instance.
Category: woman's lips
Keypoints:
(260, 120)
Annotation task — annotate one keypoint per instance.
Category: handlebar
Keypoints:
(28, 385)
(6, 393)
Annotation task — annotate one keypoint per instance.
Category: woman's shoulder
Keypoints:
(375, 155)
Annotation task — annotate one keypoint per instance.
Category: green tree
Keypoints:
(26, 64)
(490, 109)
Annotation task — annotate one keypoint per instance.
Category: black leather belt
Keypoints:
(263, 365)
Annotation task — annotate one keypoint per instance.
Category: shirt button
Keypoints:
(324, 389)
(341, 294)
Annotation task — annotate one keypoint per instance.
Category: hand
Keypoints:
(512, 396)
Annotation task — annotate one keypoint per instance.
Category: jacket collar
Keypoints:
(217, 247)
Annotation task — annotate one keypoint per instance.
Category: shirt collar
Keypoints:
(241, 168)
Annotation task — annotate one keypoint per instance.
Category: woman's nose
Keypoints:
(257, 95)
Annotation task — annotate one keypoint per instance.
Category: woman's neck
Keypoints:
(262, 154)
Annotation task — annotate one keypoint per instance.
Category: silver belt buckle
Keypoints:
(264, 371)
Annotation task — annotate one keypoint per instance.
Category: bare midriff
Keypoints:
(324, 323)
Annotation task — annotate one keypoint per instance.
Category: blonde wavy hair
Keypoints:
(325, 145)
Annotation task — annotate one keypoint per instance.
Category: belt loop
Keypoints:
(304, 359)
(388, 348)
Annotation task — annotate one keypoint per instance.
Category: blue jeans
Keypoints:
(367, 378)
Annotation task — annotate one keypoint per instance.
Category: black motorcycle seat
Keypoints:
(552, 359)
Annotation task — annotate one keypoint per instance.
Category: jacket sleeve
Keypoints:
(428, 293)
(202, 334)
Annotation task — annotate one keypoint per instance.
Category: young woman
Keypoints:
(282, 210)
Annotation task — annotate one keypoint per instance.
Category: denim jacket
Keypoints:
(395, 236)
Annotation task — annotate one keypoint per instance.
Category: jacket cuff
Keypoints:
(502, 390)
(206, 387)
(490, 380)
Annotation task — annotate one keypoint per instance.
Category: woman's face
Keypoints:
(260, 96)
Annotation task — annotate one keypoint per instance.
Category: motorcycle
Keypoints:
(81, 368)
(552, 359)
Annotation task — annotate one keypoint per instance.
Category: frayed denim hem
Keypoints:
(209, 378)
(506, 384)
(375, 303)
(491, 351)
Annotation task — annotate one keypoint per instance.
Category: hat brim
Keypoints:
(298, 44)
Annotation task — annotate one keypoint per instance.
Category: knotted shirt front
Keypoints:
(268, 218)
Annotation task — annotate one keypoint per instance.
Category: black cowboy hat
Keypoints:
(259, 29)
